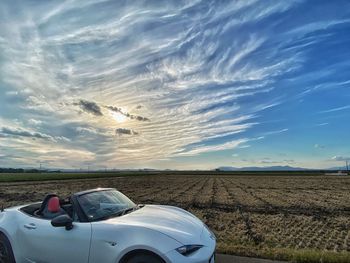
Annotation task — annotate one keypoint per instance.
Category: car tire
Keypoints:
(6, 253)
(144, 258)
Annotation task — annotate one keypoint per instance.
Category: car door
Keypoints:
(40, 242)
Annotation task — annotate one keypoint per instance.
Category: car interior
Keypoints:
(51, 207)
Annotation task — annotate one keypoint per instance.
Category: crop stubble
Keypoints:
(249, 214)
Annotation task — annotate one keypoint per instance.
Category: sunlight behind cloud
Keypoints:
(200, 79)
(118, 117)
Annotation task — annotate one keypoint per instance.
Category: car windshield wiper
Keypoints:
(129, 210)
(116, 214)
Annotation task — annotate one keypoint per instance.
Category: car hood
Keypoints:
(171, 221)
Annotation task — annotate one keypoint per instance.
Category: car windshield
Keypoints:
(102, 205)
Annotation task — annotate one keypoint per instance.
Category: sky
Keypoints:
(174, 84)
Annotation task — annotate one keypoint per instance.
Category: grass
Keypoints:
(45, 176)
(25, 177)
(284, 254)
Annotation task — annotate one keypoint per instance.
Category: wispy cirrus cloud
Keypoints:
(187, 77)
(126, 114)
(319, 146)
(336, 109)
(275, 132)
(323, 124)
(214, 148)
(124, 131)
(18, 132)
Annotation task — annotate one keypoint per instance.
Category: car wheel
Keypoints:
(144, 258)
(6, 254)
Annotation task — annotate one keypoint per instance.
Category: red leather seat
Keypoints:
(53, 205)
(50, 207)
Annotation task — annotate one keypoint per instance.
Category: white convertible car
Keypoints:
(102, 226)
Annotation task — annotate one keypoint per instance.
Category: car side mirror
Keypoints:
(63, 221)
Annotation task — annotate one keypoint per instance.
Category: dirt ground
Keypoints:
(264, 216)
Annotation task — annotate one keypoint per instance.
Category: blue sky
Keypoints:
(174, 84)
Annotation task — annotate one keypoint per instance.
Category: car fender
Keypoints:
(112, 241)
(141, 248)
(10, 221)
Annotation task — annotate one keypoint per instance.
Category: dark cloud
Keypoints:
(268, 162)
(123, 131)
(126, 114)
(5, 131)
(90, 107)
(8, 157)
(341, 158)
(139, 118)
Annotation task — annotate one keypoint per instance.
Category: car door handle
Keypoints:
(30, 226)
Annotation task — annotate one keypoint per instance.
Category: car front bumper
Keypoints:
(206, 254)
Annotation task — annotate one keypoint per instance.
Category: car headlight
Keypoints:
(188, 249)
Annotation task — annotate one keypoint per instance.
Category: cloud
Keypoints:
(336, 109)
(35, 122)
(319, 146)
(87, 130)
(316, 26)
(322, 124)
(11, 93)
(243, 146)
(275, 132)
(90, 107)
(213, 148)
(341, 158)
(204, 90)
(290, 161)
(268, 161)
(124, 131)
(17, 132)
(126, 114)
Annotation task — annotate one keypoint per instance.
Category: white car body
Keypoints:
(154, 228)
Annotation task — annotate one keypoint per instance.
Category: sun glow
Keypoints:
(119, 117)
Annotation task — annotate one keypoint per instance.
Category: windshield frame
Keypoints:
(83, 217)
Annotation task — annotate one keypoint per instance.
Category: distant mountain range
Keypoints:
(221, 168)
(337, 168)
(273, 168)
(269, 168)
